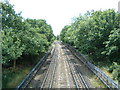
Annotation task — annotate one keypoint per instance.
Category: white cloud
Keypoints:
(58, 13)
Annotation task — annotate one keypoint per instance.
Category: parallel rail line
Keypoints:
(78, 79)
(33, 72)
(49, 74)
(101, 75)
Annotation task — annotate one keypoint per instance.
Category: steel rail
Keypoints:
(47, 73)
(74, 76)
(108, 81)
(84, 84)
(33, 72)
(53, 74)
(81, 78)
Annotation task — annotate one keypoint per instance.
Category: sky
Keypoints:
(59, 13)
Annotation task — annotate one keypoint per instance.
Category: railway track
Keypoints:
(108, 82)
(59, 68)
(76, 74)
(48, 79)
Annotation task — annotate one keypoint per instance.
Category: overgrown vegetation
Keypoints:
(23, 40)
(12, 77)
(97, 34)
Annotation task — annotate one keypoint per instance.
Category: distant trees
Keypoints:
(96, 33)
(21, 37)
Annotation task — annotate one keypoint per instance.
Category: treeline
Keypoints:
(97, 34)
(23, 37)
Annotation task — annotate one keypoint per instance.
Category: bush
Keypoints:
(115, 70)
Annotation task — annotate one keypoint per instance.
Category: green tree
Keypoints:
(90, 33)
(23, 38)
(11, 48)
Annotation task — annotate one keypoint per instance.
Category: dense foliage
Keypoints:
(97, 34)
(20, 37)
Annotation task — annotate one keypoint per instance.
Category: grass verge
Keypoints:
(12, 77)
(105, 66)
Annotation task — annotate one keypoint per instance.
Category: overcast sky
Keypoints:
(59, 13)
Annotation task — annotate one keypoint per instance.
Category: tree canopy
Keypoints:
(97, 33)
(23, 37)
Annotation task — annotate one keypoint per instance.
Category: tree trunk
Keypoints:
(14, 64)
